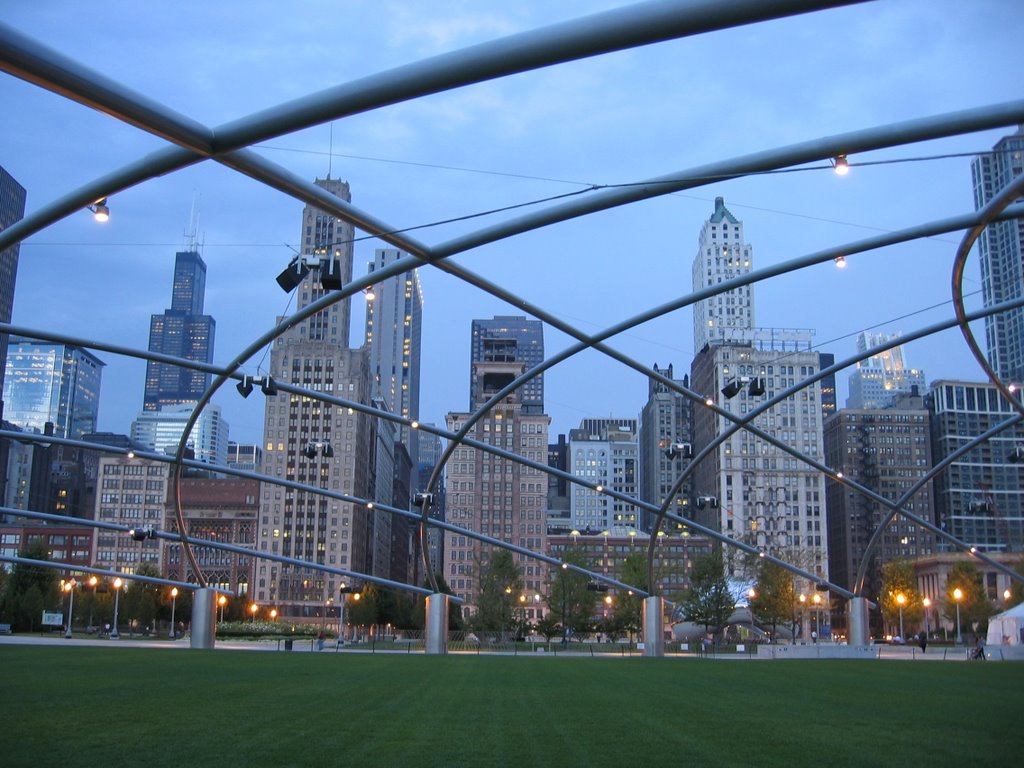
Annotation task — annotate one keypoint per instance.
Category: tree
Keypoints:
(774, 596)
(500, 587)
(418, 616)
(548, 626)
(570, 599)
(142, 598)
(363, 608)
(629, 605)
(708, 601)
(898, 580)
(1016, 587)
(975, 608)
(30, 590)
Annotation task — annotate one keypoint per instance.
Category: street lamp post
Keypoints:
(565, 627)
(751, 594)
(254, 609)
(222, 601)
(803, 615)
(958, 595)
(817, 616)
(118, 582)
(69, 587)
(900, 600)
(927, 604)
(93, 581)
(174, 605)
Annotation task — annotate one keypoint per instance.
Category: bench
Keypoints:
(5, 629)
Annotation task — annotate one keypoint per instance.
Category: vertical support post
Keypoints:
(654, 626)
(204, 619)
(857, 621)
(437, 624)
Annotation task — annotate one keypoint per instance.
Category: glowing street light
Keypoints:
(118, 583)
(273, 614)
(817, 615)
(254, 609)
(69, 587)
(174, 604)
(927, 604)
(958, 595)
(222, 601)
(751, 594)
(900, 600)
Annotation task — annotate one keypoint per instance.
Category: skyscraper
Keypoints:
(722, 254)
(48, 382)
(605, 452)
(882, 377)
(978, 497)
(12, 209)
(394, 320)
(749, 489)
(510, 339)
(498, 497)
(160, 431)
(183, 331)
(666, 418)
(1001, 246)
(315, 354)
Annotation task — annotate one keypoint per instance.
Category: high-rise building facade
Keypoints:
(494, 496)
(160, 431)
(887, 451)
(428, 451)
(394, 326)
(247, 456)
(666, 420)
(49, 382)
(882, 377)
(722, 254)
(1001, 249)
(510, 339)
(182, 331)
(12, 209)
(315, 354)
(978, 497)
(606, 455)
(762, 495)
(131, 492)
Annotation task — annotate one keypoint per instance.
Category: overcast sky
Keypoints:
(613, 119)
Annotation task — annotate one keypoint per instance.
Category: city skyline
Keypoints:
(800, 217)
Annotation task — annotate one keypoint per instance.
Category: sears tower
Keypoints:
(181, 331)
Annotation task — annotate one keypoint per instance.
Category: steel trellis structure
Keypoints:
(643, 24)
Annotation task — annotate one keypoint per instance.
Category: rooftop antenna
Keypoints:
(192, 233)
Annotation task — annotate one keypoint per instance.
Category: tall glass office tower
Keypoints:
(1001, 246)
(12, 209)
(47, 382)
(183, 331)
(509, 339)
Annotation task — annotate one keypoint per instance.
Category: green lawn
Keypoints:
(148, 707)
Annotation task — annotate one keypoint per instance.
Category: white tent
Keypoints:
(1007, 628)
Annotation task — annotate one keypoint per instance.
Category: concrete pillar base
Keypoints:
(654, 626)
(437, 624)
(204, 619)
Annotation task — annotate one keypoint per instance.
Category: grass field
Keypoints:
(118, 707)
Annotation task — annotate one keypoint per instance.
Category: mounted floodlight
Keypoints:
(674, 451)
(597, 586)
(327, 450)
(100, 210)
(419, 499)
(732, 388)
(330, 274)
(368, 292)
(841, 165)
(309, 451)
(292, 275)
(312, 449)
(143, 533)
(244, 387)
(268, 386)
(757, 386)
(1016, 456)
(707, 501)
(840, 262)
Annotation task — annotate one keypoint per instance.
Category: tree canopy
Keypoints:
(708, 601)
(774, 597)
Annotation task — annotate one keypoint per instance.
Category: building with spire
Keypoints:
(184, 331)
(722, 254)
(315, 443)
(1001, 250)
(881, 378)
(748, 488)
